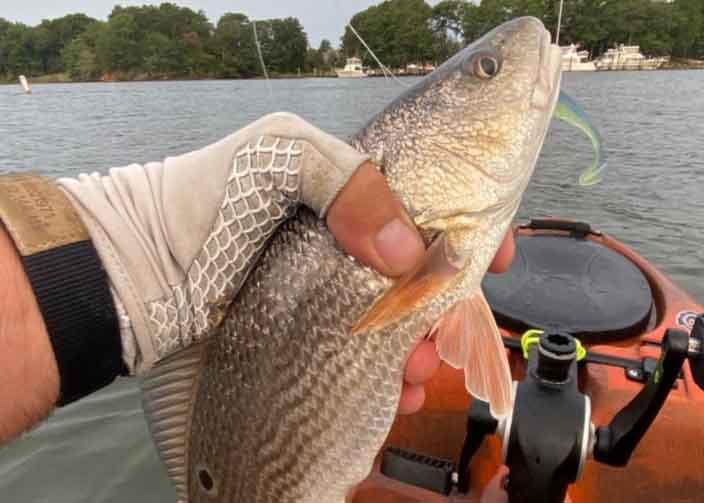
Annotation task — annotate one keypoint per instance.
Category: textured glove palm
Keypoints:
(178, 238)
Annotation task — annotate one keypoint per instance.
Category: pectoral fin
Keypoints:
(467, 338)
(431, 276)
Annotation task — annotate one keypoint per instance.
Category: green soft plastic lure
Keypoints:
(570, 111)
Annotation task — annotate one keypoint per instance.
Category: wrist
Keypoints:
(65, 282)
(29, 387)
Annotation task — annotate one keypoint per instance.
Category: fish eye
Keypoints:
(483, 65)
(486, 67)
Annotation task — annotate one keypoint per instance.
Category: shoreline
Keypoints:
(63, 79)
(676, 65)
(686, 64)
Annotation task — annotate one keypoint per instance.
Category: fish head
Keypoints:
(459, 148)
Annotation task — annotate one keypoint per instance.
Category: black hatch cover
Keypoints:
(570, 284)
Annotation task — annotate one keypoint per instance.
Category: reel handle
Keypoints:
(696, 351)
(616, 442)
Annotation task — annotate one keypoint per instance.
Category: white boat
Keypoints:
(576, 61)
(25, 84)
(352, 70)
(627, 57)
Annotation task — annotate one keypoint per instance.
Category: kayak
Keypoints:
(569, 278)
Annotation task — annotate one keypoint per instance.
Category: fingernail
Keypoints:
(399, 246)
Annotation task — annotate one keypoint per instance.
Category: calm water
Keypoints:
(98, 451)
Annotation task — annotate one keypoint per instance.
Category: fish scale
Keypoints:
(311, 372)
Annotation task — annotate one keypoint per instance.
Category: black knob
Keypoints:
(556, 353)
(696, 351)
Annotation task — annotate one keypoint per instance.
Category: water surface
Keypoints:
(98, 451)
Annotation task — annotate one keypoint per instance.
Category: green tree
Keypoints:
(119, 47)
(480, 19)
(314, 63)
(398, 31)
(79, 57)
(4, 61)
(164, 40)
(688, 28)
(79, 61)
(284, 44)
(163, 55)
(582, 24)
(327, 54)
(168, 19)
(197, 60)
(169, 40)
(447, 17)
(19, 49)
(52, 36)
(446, 25)
(233, 46)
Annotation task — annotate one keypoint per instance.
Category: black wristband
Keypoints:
(72, 291)
(69, 283)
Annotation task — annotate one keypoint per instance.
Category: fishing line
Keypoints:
(385, 70)
(261, 60)
(383, 67)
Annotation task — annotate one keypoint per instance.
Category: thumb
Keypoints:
(372, 225)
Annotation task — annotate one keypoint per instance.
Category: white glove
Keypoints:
(178, 238)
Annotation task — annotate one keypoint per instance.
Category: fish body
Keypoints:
(294, 397)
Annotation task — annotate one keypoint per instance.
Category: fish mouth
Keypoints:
(549, 71)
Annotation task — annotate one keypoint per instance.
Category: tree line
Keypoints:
(403, 31)
(168, 41)
(165, 41)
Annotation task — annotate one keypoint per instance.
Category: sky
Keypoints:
(320, 18)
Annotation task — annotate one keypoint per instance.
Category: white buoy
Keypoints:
(25, 84)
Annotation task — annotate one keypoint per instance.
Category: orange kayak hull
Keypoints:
(666, 466)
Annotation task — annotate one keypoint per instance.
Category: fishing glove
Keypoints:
(179, 237)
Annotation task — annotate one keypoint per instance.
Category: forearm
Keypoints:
(29, 378)
(166, 276)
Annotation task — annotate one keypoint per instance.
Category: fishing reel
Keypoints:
(549, 435)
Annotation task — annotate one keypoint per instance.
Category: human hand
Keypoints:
(175, 288)
(494, 492)
(372, 225)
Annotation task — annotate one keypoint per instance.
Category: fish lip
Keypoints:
(548, 75)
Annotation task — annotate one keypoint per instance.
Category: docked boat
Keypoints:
(629, 341)
(576, 61)
(354, 69)
(627, 57)
(417, 70)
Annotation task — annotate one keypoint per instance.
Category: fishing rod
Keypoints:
(261, 59)
(559, 23)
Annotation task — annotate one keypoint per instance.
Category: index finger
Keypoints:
(505, 254)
